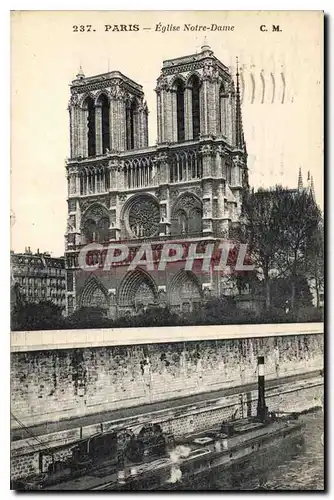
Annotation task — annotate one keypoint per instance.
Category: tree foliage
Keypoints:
(280, 228)
(88, 317)
(300, 220)
(223, 311)
(44, 315)
(315, 258)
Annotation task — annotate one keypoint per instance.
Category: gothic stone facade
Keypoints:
(186, 188)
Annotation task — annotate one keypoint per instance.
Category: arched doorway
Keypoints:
(94, 295)
(137, 290)
(184, 291)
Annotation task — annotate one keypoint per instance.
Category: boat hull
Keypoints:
(168, 477)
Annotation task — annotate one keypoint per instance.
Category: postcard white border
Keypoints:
(327, 5)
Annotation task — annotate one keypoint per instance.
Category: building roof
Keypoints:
(37, 260)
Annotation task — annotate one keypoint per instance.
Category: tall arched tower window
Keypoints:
(105, 123)
(223, 99)
(180, 110)
(195, 104)
(130, 125)
(91, 140)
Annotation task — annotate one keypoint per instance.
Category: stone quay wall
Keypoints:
(56, 379)
(53, 384)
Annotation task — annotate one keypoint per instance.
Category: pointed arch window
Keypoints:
(95, 230)
(130, 125)
(195, 105)
(223, 98)
(105, 112)
(94, 295)
(187, 216)
(91, 140)
(179, 86)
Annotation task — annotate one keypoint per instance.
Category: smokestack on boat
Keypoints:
(121, 476)
(261, 403)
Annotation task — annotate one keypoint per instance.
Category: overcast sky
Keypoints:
(46, 55)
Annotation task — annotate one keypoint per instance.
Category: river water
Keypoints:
(293, 467)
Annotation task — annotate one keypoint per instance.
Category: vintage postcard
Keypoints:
(167, 250)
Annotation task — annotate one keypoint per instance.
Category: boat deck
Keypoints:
(247, 432)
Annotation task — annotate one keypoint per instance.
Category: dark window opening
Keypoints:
(222, 109)
(195, 108)
(180, 111)
(91, 127)
(130, 126)
(105, 124)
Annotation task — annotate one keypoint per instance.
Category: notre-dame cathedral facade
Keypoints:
(188, 187)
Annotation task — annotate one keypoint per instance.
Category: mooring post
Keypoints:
(261, 403)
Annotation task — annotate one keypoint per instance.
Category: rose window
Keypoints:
(144, 217)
